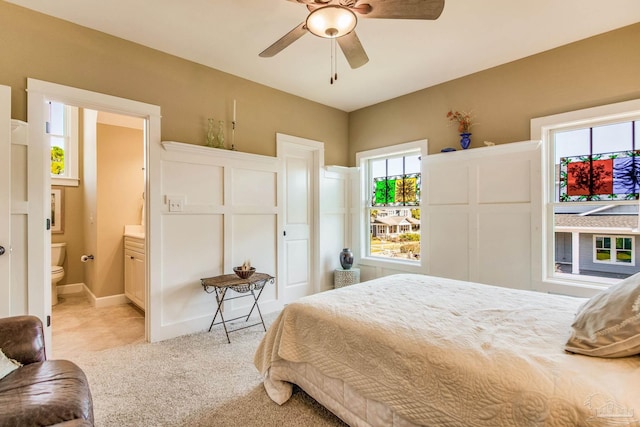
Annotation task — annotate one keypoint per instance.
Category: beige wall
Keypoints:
(72, 236)
(599, 70)
(111, 192)
(119, 200)
(45, 48)
(595, 71)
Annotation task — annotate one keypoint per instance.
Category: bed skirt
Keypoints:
(338, 397)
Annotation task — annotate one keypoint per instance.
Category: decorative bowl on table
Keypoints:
(244, 274)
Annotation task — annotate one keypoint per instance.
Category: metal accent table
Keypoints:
(221, 284)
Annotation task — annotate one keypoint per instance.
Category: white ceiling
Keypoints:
(405, 55)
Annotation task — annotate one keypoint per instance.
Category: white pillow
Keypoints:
(7, 365)
(608, 325)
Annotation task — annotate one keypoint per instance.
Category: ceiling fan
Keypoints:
(336, 19)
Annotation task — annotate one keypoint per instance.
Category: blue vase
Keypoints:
(465, 140)
(346, 258)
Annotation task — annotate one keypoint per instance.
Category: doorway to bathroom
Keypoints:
(97, 194)
(97, 203)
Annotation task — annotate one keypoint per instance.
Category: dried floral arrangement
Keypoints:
(463, 118)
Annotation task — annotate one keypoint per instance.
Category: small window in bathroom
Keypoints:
(62, 129)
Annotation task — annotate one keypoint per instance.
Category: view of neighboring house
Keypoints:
(390, 224)
(597, 241)
(395, 233)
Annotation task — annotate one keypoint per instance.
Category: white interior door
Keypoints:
(300, 219)
(298, 223)
(5, 201)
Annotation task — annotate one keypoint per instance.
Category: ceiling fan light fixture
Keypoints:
(331, 21)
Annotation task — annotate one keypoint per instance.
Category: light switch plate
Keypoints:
(176, 203)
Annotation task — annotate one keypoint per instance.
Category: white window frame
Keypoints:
(70, 178)
(542, 128)
(362, 159)
(613, 259)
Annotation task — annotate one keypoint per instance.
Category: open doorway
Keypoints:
(97, 233)
(39, 285)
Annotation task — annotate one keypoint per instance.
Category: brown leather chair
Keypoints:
(42, 392)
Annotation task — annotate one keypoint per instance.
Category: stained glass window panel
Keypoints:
(397, 191)
(385, 191)
(407, 191)
(396, 181)
(609, 176)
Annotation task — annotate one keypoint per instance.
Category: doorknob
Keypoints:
(1, 250)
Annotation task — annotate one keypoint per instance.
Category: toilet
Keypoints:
(58, 251)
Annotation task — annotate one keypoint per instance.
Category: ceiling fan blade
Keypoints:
(318, 3)
(284, 41)
(353, 50)
(401, 9)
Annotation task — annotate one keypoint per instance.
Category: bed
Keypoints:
(410, 350)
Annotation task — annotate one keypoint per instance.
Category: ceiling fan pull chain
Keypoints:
(335, 60)
(332, 49)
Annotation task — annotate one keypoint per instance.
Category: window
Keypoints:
(392, 187)
(598, 183)
(593, 159)
(62, 129)
(613, 249)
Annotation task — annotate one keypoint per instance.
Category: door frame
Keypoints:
(5, 200)
(283, 142)
(39, 243)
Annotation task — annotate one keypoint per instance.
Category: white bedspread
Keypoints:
(451, 353)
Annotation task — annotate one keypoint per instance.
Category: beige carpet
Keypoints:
(195, 380)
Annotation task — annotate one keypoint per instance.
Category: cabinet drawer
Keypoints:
(134, 244)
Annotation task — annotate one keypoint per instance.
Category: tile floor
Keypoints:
(78, 327)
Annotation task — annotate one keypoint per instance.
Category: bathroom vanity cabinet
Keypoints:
(134, 270)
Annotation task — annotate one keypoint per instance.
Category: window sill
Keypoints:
(580, 280)
(396, 264)
(576, 285)
(66, 182)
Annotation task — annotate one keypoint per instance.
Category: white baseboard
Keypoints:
(109, 301)
(73, 288)
(95, 302)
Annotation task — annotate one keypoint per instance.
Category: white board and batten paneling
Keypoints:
(13, 210)
(338, 215)
(5, 201)
(484, 214)
(219, 209)
(19, 217)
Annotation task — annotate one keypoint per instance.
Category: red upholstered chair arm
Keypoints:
(22, 339)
